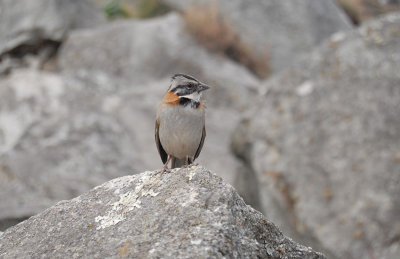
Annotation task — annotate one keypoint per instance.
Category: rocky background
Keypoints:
(303, 118)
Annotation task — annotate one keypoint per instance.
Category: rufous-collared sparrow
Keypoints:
(180, 123)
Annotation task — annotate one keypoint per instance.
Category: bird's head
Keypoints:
(187, 87)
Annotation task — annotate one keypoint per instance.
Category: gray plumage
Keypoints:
(180, 127)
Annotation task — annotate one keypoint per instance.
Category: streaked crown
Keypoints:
(184, 85)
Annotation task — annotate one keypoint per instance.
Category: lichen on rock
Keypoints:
(180, 214)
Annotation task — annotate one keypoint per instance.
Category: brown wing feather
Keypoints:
(203, 136)
(160, 148)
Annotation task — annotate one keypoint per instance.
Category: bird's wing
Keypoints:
(203, 136)
(160, 148)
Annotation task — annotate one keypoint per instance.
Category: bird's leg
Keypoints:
(187, 162)
(165, 168)
(191, 160)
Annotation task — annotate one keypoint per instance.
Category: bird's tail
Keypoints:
(176, 162)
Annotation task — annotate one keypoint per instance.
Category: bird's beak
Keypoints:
(202, 87)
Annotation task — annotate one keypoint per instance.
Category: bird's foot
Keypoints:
(165, 167)
(189, 163)
(163, 170)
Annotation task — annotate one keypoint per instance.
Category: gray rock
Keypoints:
(325, 144)
(55, 143)
(30, 23)
(184, 214)
(283, 30)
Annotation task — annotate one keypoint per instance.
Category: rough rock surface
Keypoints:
(326, 152)
(279, 29)
(186, 213)
(55, 142)
(26, 22)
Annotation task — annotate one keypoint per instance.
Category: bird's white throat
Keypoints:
(195, 96)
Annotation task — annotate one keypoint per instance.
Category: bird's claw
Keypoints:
(164, 170)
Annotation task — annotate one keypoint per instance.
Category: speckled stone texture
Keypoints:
(324, 144)
(188, 213)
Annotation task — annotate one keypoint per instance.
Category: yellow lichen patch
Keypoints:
(124, 250)
(333, 44)
(327, 193)
(357, 234)
(277, 175)
(397, 158)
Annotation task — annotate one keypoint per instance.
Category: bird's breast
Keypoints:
(180, 129)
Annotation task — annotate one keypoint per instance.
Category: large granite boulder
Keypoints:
(324, 144)
(183, 214)
(278, 30)
(30, 23)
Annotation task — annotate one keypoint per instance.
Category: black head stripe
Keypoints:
(185, 89)
(186, 101)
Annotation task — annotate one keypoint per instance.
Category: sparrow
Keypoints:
(180, 122)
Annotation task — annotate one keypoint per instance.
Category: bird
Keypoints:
(180, 128)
